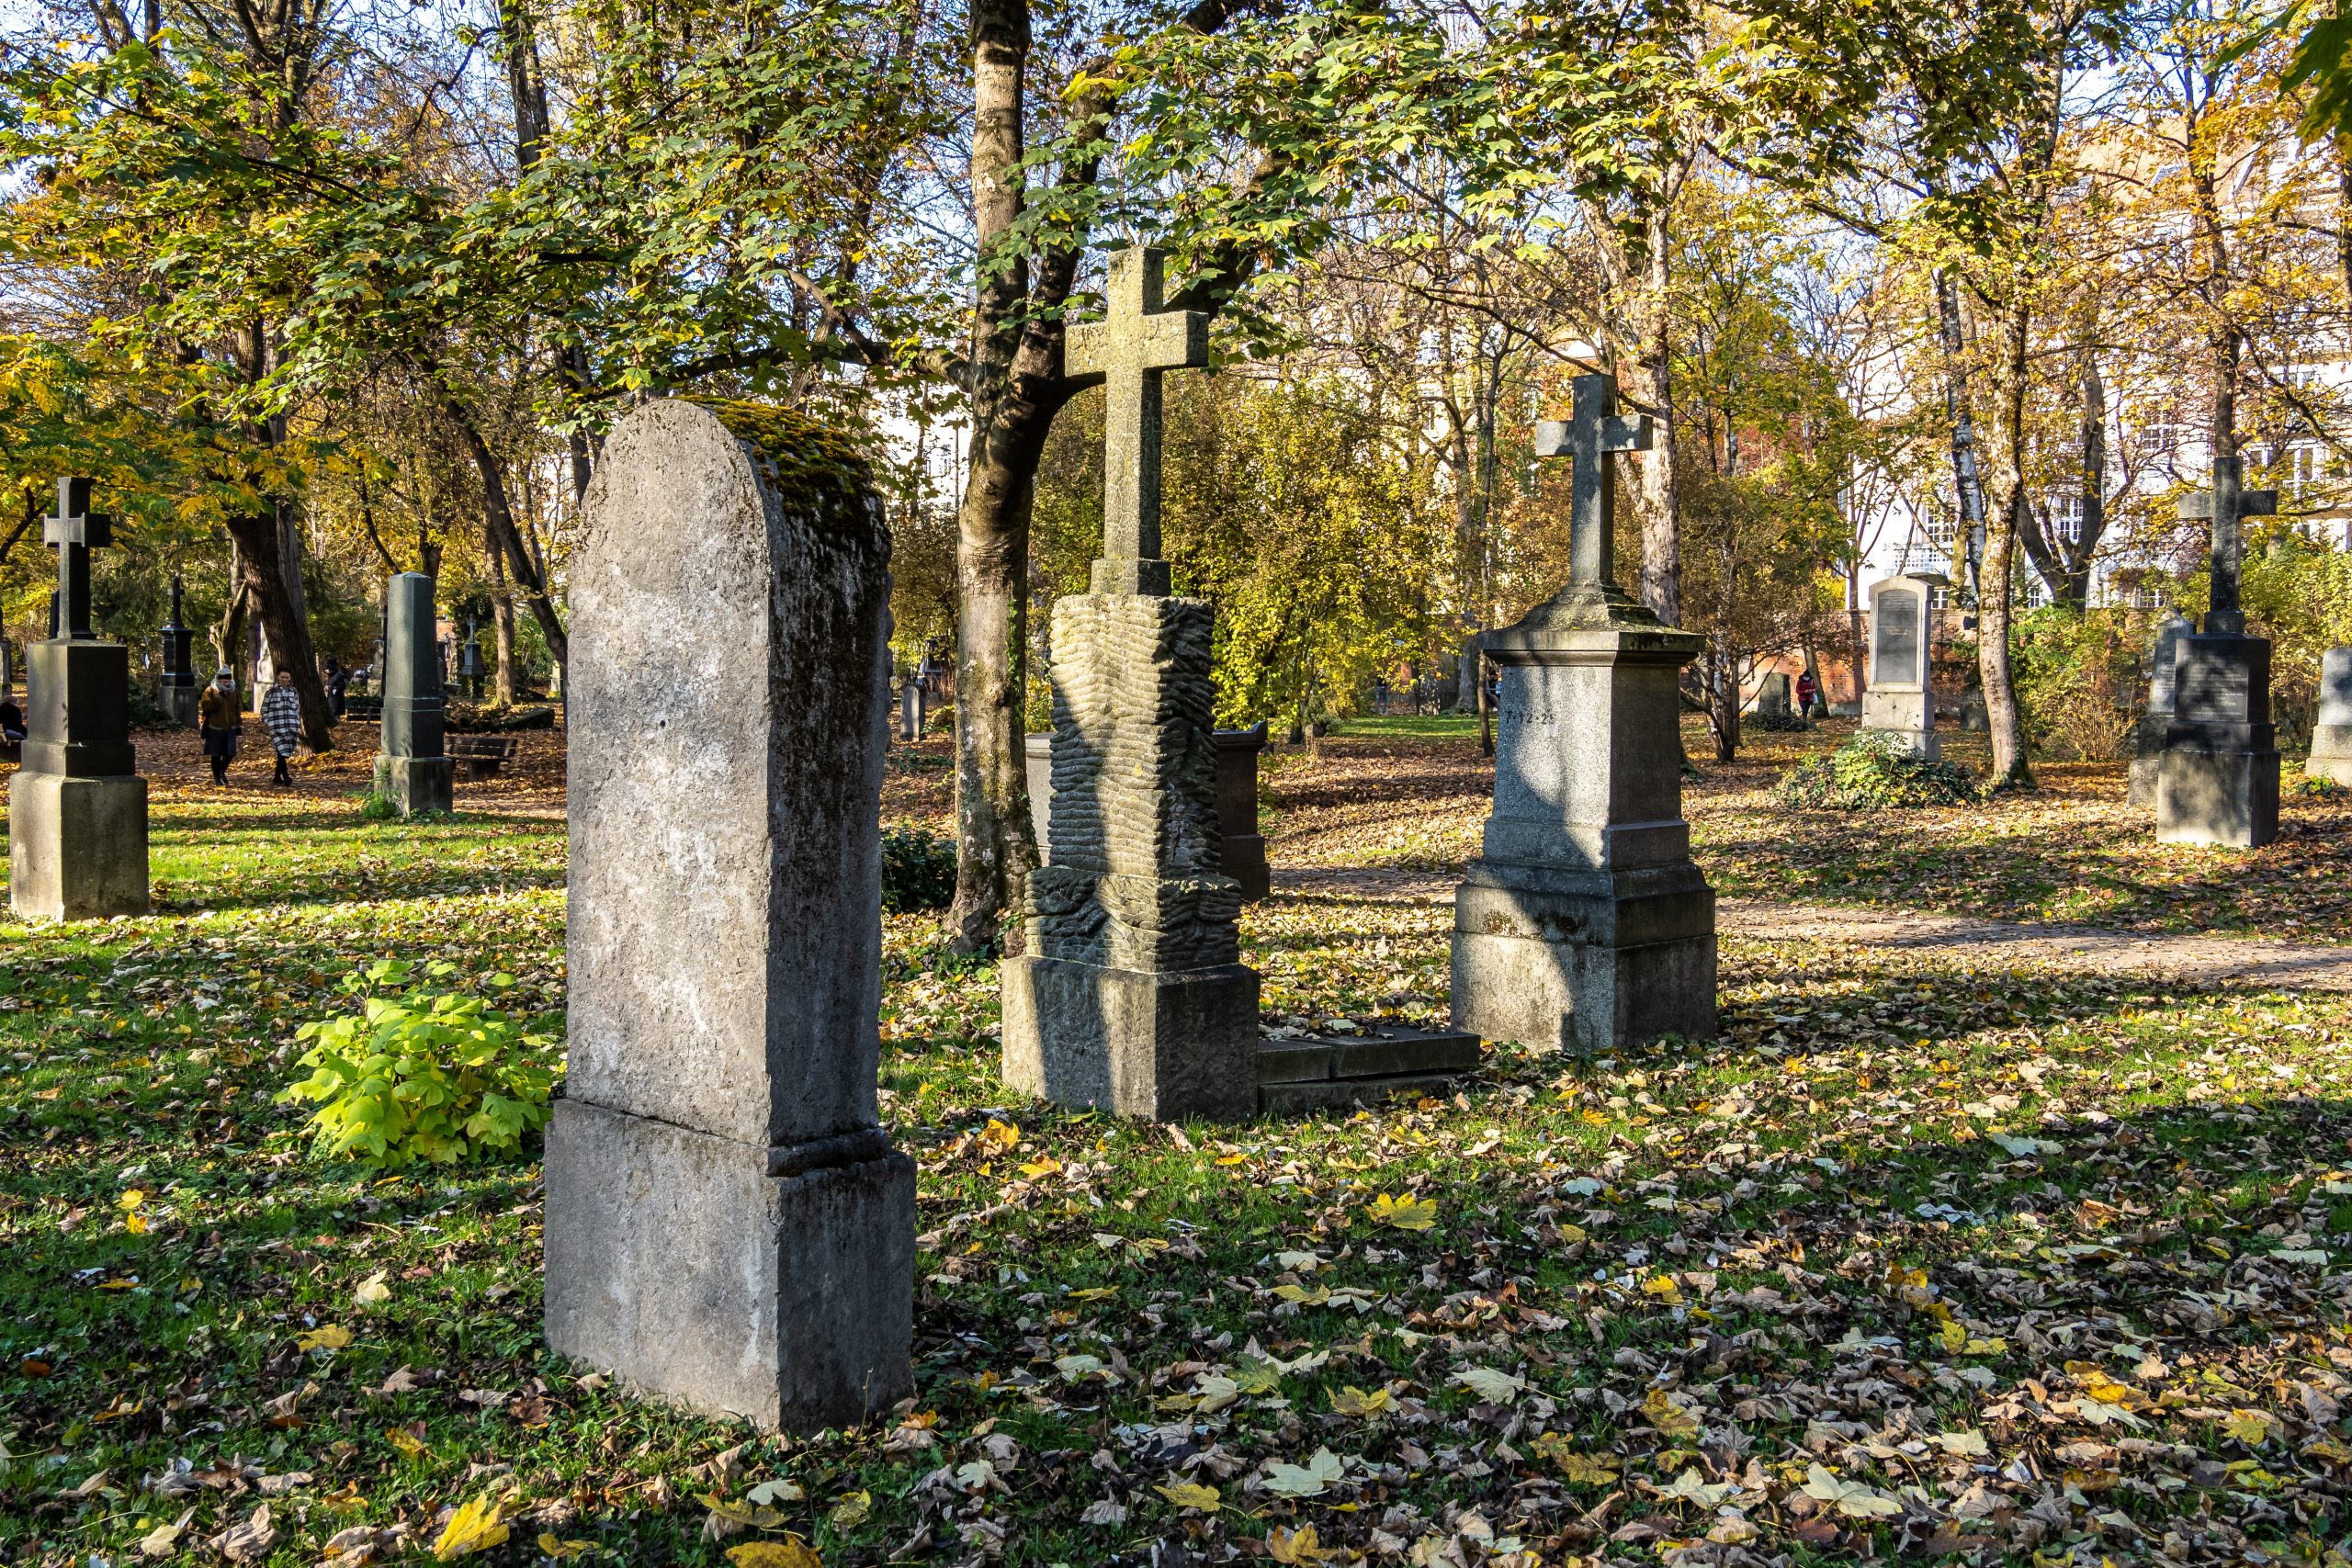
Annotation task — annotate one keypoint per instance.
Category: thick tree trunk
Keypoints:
(1661, 496)
(2004, 720)
(261, 573)
(1967, 485)
(501, 618)
(2080, 550)
(499, 528)
(995, 850)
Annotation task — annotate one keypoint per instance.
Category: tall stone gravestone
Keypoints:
(728, 1225)
(2148, 736)
(2331, 755)
(1584, 923)
(2218, 781)
(1132, 996)
(1899, 704)
(1772, 699)
(77, 810)
(414, 769)
(179, 688)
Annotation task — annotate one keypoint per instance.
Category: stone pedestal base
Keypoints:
(179, 701)
(1903, 718)
(2140, 785)
(1332, 1072)
(680, 1264)
(1164, 1047)
(2331, 755)
(1561, 960)
(77, 848)
(417, 784)
(2216, 797)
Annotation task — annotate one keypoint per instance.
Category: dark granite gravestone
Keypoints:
(1584, 923)
(2218, 779)
(179, 687)
(728, 1225)
(2331, 755)
(1898, 705)
(1241, 849)
(2148, 735)
(911, 715)
(77, 810)
(414, 769)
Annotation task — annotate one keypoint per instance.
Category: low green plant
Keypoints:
(1876, 773)
(917, 871)
(375, 805)
(2310, 786)
(421, 1076)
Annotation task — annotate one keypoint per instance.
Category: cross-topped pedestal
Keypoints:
(1129, 352)
(1593, 431)
(74, 532)
(2225, 506)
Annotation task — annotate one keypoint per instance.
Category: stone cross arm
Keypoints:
(74, 532)
(1618, 433)
(2198, 505)
(1594, 430)
(1138, 334)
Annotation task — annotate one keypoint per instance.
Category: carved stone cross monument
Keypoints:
(1583, 923)
(1130, 352)
(1132, 996)
(1594, 430)
(77, 846)
(74, 532)
(179, 688)
(2218, 779)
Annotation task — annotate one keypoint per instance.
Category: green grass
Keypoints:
(1709, 1264)
(1413, 725)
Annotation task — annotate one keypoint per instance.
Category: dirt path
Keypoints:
(2200, 960)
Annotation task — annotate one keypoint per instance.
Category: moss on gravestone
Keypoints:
(810, 460)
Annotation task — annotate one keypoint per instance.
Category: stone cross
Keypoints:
(2225, 506)
(1129, 352)
(1594, 430)
(74, 532)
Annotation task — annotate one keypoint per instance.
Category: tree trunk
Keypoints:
(2080, 550)
(261, 576)
(501, 617)
(1968, 487)
(1661, 497)
(995, 849)
(2003, 718)
(498, 523)
(1722, 698)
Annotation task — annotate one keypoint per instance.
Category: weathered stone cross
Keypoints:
(1594, 430)
(74, 532)
(1129, 352)
(2225, 506)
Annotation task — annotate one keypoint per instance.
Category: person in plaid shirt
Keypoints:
(281, 715)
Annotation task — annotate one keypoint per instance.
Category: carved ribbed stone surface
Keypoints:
(1134, 880)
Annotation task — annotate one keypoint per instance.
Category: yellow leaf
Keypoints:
(1405, 1212)
(1663, 1287)
(1233, 1159)
(562, 1549)
(748, 1514)
(372, 1291)
(774, 1554)
(1191, 1494)
(1000, 1137)
(851, 1508)
(1354, 1400)
(330, 1337)
(1294, 1546)
(131, 1199)
(1671, 1419)
(476, 1526)
(1045, 1165)
(1954, 1336)
(404, 1441)
(2251, 1428)
(136, 1224)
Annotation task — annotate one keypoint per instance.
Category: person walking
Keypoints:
(218, 722)
(337, 678)
(1807, 689)
(281, 715)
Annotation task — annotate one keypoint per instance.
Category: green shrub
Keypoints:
(375, 805)
(2310, 786)
(917, 871)
(1874, 773)
(420, 1077)
(2078, 679)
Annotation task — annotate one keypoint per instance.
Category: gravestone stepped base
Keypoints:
(1164, 1047)
(1584, 925)
(2218, 779)
(77, 847)
(418, 784)
(1902, 717)
(1334, 1072)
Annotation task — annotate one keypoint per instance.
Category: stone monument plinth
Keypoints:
(1583, 924)
(2218, 780)
(77, 809)
(728, 1225)
(178, 690)
(1898, 705)
(2331, 755)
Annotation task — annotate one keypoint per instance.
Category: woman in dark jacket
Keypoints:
(218, 722)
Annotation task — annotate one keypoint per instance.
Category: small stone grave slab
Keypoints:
(2331, 755)
(1329, 1071)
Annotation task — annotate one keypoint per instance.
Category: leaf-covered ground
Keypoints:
(1915, 1260)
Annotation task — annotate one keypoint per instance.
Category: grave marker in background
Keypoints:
(1898, 704)
(2331, 755)
(414, 768)
(77, 810)
(728, 1223)
(2218, 780)
(2148, 735)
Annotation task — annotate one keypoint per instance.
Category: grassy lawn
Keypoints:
(1913, 1259)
